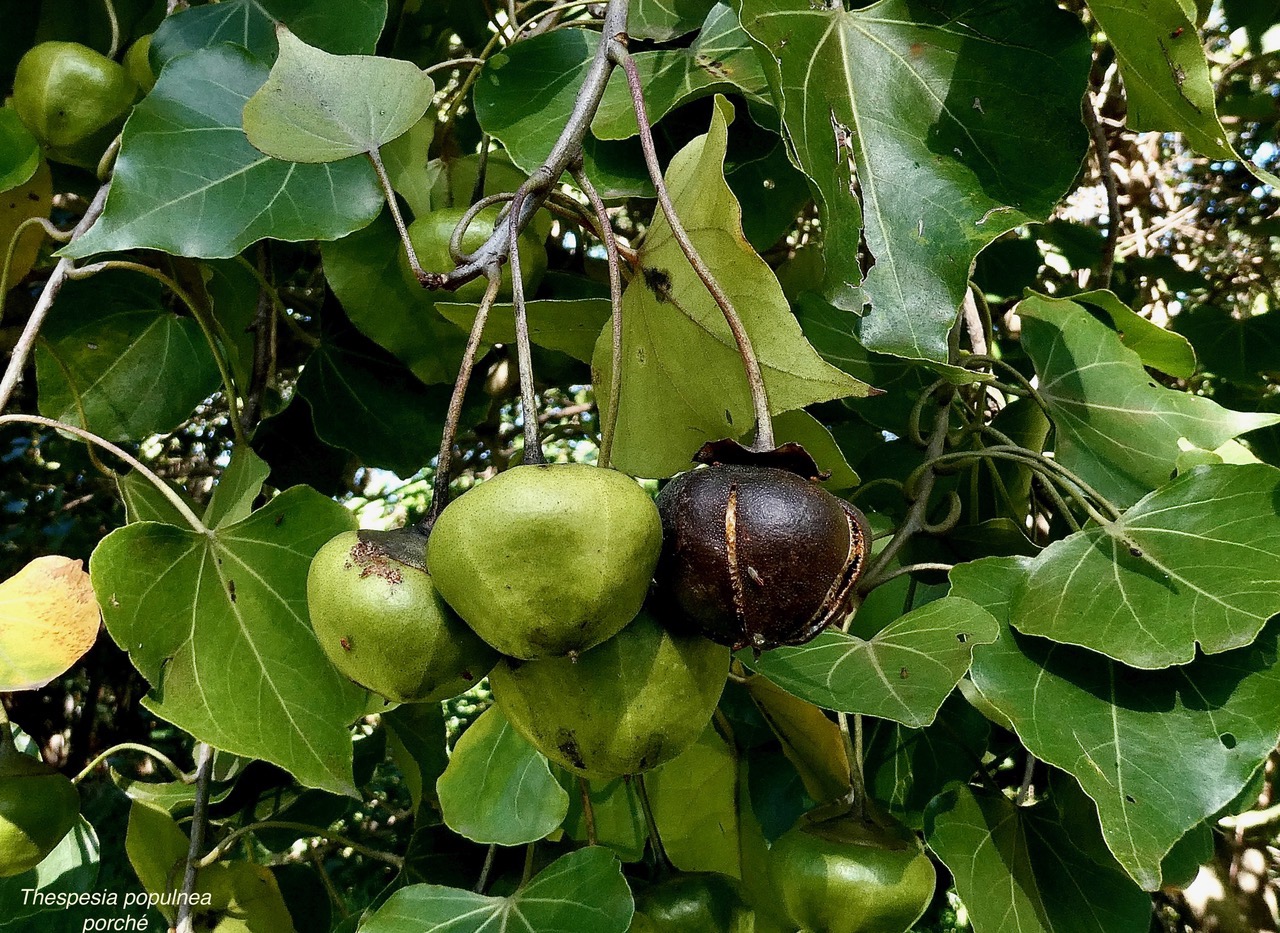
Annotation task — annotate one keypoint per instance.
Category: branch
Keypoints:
(204, 774)
(1103, 152)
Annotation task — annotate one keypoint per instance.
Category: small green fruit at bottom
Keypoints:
(66, 92)
(851, 876)
(138, 63)
(625, 706)
(382, 623)
(38, 806)
(430, 235)
(699, 902)
(548, 560)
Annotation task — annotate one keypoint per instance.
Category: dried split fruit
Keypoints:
(755, 553)
(381, 622)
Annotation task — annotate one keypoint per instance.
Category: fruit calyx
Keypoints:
(406, 546)
(755, 553)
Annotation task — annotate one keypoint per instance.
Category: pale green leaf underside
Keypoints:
(317, 107)
(903, 673)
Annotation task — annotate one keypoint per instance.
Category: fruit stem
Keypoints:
(527, 873)
(651, 823)
(440, 485)
(857, 774)
(524, 351)
(588, 810)
(755, 377)
(375, 156)
(610, 422)
(483, 880)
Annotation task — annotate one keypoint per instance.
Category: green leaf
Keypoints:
(113, 360)
(238, 486)
(144, 503)
(416, 739)
(233, 293)
(1196, 563)
(571, 327)
(665, 19)
(1167, 82)
(548, 70)
(809, 738)
(1243, 349)
(412, 174)
(342, 28)
(702, 837)
(905, 768)
(584, 890)
(903, 673)
(218, 625)
(364, 272)
(615, 808)
(909, 106)
(1158, 751)
(186, 172)
(679, 356)
(370, 404)
(1161, 349)
(1040, 869)
(498, 788)
(720, 59)
(1116, 428)
(802, 428)
(71, 868)
(157, 849)
(317, 107)
(19, 151)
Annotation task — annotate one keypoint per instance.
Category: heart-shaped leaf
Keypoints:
(900, 114)
(48, 620)
(317, 107)
(679, 356)
(498, 788)
(217, 623)
(1196, 563)
(185, 172)
(903, 673)
(1116, 427)
(1158, 751)
(584, 890)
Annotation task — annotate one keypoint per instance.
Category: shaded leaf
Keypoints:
(1165, 350)
(702, 837)
(498, 788)
(48, 620)
(1116, 428)
(571, 327)
(810, 740)
(665, 19)
(583, 890)
(616, 809)
(903, 673)
(679, 356)
(19, 151)
(185, 172)
(224, 638)
(1243, 349)
(899, 114)
(802, 428)
(1158, 751)
(317, 107)
(1194, 564)
(144, 503)
(71, 868)
(411, 173)
(115, 358)
(1040, 869)
(416, 739)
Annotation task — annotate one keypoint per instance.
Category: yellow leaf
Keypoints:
(48, 619)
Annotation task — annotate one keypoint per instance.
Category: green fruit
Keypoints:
(851, 876)
(703, 902)
(626, 706)
(38, 806)
(138, 63)
(430, 235)
(66, 92)
(547, 560)
(382, 623)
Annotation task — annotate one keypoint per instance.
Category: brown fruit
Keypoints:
(758, 556)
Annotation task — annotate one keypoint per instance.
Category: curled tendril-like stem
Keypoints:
(460, 229)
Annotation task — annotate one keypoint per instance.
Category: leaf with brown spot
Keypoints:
(48, 619)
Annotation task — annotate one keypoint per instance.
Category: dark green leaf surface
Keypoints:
(71, 868)
(417, 742)
(665, 19)
(218, 625)
(1116, 428)
(899, 113)
(902, 674)
(1158, 751)
(1206, 573)
(571, 327)
(679, 356)
(579, 892)
(615, 807)
(19, 151)
(186, 172)
(341, 28)
(113, 354)
(1040, 869)
(498, 788)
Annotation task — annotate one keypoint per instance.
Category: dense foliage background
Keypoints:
(1045, 232)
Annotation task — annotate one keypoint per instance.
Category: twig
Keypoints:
(132, 747)
(453, 64)
(264, 349)
(483, 880)
(204, 774)
(651, 823)
(588, 810)
(1103, 152)
(1024, 789)
(610, 422)
(222, 847)
(755, 378)
(914, 568)
(27, 339)
(381, 171)
(114, 20)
